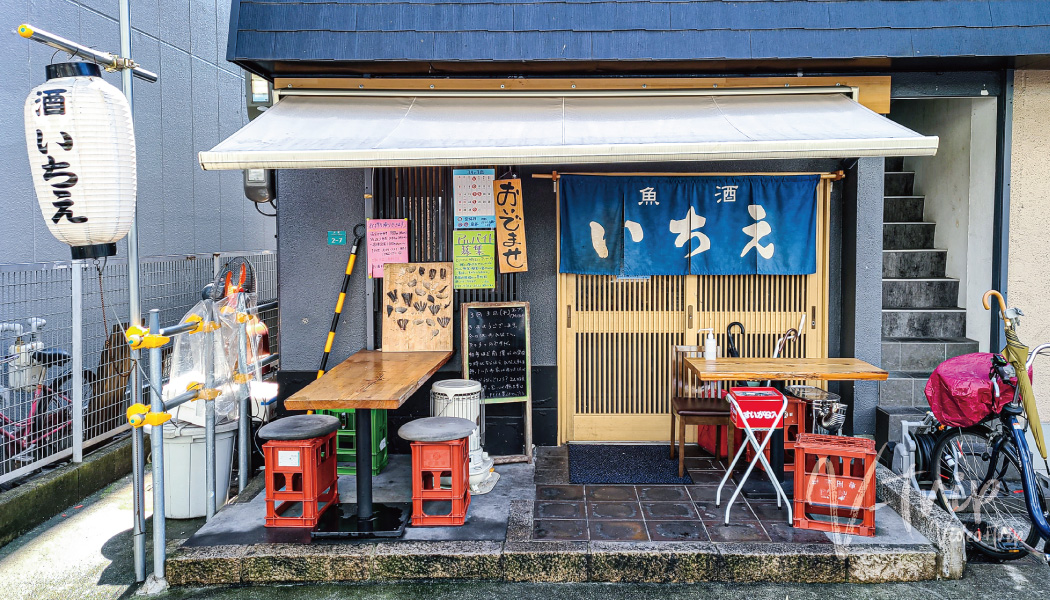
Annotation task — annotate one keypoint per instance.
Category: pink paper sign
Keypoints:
(387, 243)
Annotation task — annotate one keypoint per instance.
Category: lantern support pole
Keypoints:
(134, 300)
(77, 391)
(108, 61)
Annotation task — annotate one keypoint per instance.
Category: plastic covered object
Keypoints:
(189, 365)
(960, 390)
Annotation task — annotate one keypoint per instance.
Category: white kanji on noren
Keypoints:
(685, 229)
(726, 193)
(648, 196)
(757, 231)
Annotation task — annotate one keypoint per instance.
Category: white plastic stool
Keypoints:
(757, 403)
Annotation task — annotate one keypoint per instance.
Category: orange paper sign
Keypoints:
(510, 226)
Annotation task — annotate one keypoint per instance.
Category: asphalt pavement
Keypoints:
(85, 553)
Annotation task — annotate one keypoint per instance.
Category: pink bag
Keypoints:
(960, 390)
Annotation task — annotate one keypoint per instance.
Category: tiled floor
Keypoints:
(570, 512)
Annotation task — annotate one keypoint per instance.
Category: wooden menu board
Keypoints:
(495, 349)
(417, 307)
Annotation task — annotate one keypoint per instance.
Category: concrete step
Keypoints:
(905, 388)
(899, 183)
(895, 163)
(924, 322)
(897, 553)
(920, 293)
(902, 209)
(918, 263)
(908, 236)
(888, 426)
(922, 354)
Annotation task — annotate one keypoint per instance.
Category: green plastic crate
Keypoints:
(346, 441)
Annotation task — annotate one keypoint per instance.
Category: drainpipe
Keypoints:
(1001, 220)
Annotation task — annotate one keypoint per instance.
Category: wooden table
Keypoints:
(368, 380)
(783, 369)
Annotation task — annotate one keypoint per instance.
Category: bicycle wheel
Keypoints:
(987, 500)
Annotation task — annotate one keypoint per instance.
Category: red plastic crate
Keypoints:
(835, 478)
(300, 473)
(432, 461)
(759, 406)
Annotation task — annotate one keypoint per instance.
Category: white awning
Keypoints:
(319, 131)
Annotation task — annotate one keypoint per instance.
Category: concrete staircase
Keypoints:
(922, 324)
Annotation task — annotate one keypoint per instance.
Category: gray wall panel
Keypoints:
(862, 282)
(310, 271)
(202, 29)
(149, 148)
(146, 17)
(175, 24)
(19, 215)
(177, 130)
(205, 136)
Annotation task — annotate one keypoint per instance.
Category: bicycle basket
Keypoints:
(960, 390)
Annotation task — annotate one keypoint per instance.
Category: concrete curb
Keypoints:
(644, 562)
(41, 498)
(927, 518)
(519, 559)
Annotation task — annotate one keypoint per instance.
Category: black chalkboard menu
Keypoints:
(495, 349)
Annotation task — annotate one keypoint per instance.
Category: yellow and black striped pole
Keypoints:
(359, 232)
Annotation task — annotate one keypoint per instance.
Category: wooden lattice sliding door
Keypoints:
(615, 337)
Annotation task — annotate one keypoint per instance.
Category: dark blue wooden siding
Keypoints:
(514, 30)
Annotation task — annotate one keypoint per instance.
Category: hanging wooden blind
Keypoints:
(615, 337)
(423, 195)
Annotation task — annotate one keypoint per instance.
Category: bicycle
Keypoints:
(49, 412)
(983, 474)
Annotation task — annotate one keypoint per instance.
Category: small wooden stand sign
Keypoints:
(496, 353)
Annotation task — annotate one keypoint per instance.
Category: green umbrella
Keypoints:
(1017, 353)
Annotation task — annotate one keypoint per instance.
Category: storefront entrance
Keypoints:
(615, 336)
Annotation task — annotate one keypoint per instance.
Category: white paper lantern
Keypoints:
(81, 146)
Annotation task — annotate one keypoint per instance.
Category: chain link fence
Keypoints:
(50, 310)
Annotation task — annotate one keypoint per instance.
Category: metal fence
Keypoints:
(75, 313)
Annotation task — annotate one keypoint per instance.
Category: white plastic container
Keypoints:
(185, 484)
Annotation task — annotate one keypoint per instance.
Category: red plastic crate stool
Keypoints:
(439, 452)
(835, 478)
(300, 469)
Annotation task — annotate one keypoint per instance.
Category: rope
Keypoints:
(102, 298)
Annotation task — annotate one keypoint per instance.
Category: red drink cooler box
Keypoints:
(759, 405)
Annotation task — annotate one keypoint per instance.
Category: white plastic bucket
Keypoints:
(185, 483)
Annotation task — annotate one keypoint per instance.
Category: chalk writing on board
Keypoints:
(473, 259)
(497, 350)
(387, 243)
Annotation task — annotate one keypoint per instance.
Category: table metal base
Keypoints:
(340, 521)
